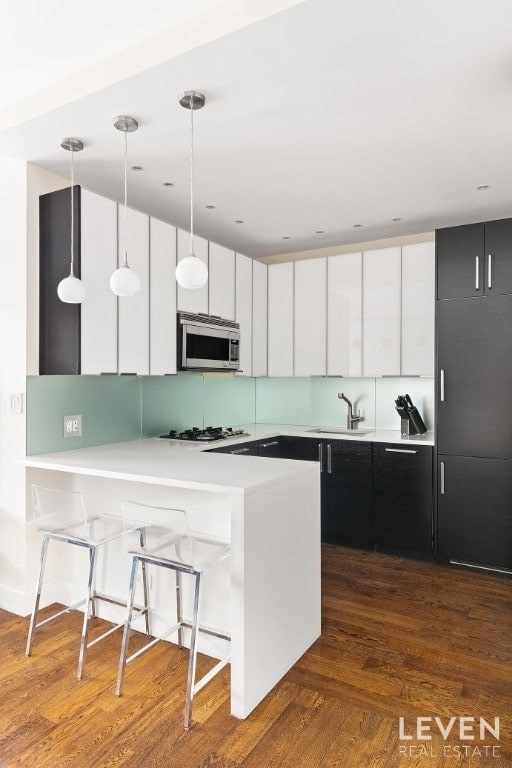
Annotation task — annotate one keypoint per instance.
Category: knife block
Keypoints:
(407, 427)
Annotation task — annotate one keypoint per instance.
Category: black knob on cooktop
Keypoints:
(172, 433)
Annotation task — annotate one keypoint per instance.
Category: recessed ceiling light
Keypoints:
(239, 221)
(211, 207)
(137, 168)
(168, 184)
(358, 225)
(482, 187)
(397, 218)
(320, 231)
(286, 237)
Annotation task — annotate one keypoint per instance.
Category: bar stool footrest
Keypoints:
(61, 613)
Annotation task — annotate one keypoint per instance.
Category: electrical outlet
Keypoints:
(72, 426)
(16, 402)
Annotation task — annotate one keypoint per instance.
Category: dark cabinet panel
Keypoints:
(403, 497)
(244, 449)
(460, 256)
(498, 257)
(475, 363)
(347, 492)
(475, 510)
(59, 323)
(302, 448)
(270, 447)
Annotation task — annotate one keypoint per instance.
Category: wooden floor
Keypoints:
(400, 638)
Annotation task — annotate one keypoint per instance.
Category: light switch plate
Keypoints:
(72, 426)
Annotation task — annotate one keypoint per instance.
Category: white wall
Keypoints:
(13, 261)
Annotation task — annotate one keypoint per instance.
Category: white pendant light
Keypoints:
(124, 281)
(71, 290)
(191, 272)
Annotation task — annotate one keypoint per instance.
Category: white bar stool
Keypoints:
(62, 516)
(169, 543)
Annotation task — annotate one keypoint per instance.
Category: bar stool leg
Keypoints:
(193, 653)
(179, 615)
(145, 583)
(35, 610)
(127, 625)
(93, 601)
(87, 612)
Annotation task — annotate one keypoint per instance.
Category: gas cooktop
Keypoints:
(207, 435)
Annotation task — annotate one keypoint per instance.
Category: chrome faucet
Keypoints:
(351, 419)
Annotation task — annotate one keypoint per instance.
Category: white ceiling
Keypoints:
(330, 114)
(44, 42)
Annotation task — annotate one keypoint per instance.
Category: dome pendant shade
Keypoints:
(71, 290)
(191, 273)
(124, 282)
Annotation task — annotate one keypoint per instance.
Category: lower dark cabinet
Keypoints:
(347, 492)
(474, 517)
(271, 447)
(300, 448)
(402, 498)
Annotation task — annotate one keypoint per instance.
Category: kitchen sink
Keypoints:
(340, 431)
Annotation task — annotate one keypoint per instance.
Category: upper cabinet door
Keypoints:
(259, 318)
(310, 317)
(418, 309)
(192, 300)
(280, 319)
(243, 311)
(162, 256)
(498, 257)
(381, 312)
(134, 310)
(460, 261)
(222, 282)
(345, 314)
(99, 260)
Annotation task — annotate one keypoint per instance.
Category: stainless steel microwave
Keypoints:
(208, 343)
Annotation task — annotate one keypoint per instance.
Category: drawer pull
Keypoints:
(320, 456)
(268, 445)
(329, 459)
(442, 478)
(399, 450)
(241, 450)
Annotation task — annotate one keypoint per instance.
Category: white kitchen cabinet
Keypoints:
(280, 319)
(310, 317)
(418, 309)
(221, 282)
(162, 310)
(98, 261)
(259, 318)
(192, 299)
(243, 311)
(381, 312)
(345, 314)
(134, 310)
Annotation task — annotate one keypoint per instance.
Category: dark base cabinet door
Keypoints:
(347, 493)
(474, 518)
(403, 498)
(301, 448)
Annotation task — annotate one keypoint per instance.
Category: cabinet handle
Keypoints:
(267, 445)
(320, 456)
(489, 271)
(442, 478)
(441, 385)
(399, 450)
(241, 450)
(329, 459)
(477, 273)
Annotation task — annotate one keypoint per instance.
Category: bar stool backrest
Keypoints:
(55, 509)
(165, 532)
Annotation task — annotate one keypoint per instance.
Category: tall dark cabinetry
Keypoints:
(474, 393)
(59, 323)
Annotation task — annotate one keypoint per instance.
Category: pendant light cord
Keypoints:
(192, 176)
(125, 198)
(72, 270)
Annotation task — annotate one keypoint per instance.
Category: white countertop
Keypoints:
(375, 436)
(176, 464)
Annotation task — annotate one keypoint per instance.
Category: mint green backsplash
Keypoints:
(283, 401)
(229, 400)
(172, 402)
(109, 405)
